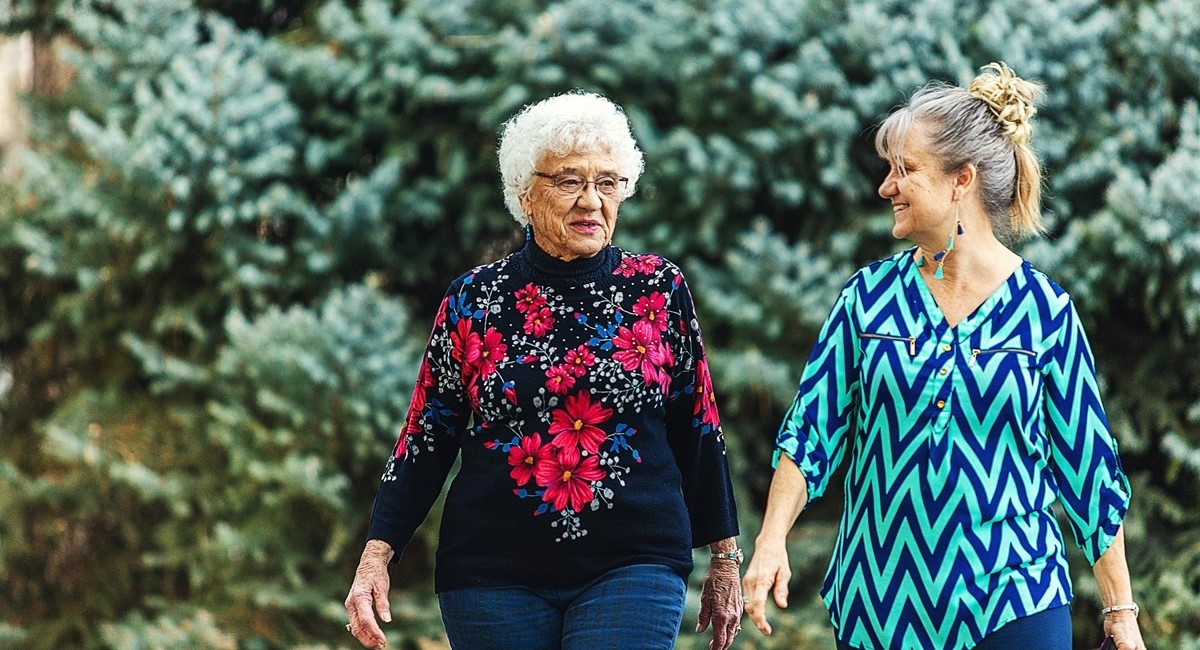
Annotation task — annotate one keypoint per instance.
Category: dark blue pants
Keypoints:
(636, 607)
(1047, 630)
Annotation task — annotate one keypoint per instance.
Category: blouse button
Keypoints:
(943, 372)
(945, 347)
(941, 403)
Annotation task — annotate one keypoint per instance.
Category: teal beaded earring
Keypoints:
(940, 257)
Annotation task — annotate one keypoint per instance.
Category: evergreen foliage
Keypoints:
(220, 262)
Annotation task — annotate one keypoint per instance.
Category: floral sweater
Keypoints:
(578, 395)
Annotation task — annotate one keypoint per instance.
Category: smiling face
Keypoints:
(570, 227)
(922, 195)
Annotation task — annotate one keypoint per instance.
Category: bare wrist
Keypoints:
(767, 540)
(727, 545)
(377, 551)
(719, 567)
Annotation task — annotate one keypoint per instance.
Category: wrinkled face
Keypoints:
(569, 226)
(922, 195)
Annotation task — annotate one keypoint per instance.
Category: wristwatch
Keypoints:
(735, 555)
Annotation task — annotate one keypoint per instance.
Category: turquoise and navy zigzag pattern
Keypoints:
(959, 440)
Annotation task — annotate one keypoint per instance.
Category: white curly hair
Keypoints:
(578, 122)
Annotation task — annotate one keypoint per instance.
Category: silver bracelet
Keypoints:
(735, 555)
(1120, 608)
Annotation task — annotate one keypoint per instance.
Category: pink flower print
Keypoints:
(653, 309)
(626, 268)
(664, 377)
(648, 263)
(640, 348)
(539, 321)
(527, 457)
(579, 360)
(706, 406)
(491, 352)
(473, 393)
(668, 359)
(567, 477)
(575, 425)
(529, 299)
(559, 379)
(441, 313)
(465, 347)
(416, 410)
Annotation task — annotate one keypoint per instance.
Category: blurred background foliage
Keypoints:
(231, 221)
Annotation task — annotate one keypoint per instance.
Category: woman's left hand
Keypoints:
(721, 604)
(1123, 628)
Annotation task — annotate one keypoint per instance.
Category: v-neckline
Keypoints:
(933, 311)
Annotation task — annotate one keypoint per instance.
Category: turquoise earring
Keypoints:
(940, 257)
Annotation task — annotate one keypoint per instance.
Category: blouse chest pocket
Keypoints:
(908, 342)
(1026, 358)
(885, 357)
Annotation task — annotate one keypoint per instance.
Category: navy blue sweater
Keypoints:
(579, 397)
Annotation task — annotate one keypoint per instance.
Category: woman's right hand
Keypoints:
(369, 594)
(768, 571)
(1123, 628)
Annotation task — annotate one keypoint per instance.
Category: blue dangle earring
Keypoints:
(940, 257)
(528, 232)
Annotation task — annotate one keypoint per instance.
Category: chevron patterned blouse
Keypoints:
(960, 438)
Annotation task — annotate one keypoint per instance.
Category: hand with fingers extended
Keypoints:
(721, 604)
(768, 571)
(369, 595)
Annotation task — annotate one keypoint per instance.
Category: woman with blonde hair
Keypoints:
(959, 381)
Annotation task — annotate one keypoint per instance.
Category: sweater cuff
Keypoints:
(719, 531)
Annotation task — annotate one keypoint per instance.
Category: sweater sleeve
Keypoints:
(821, 419)
(428, 441)
(1092, 486)
(694, 428)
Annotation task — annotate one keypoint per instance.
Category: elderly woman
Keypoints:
(958, 379)
(572, 379)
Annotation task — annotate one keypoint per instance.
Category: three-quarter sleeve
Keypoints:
(428, 443)
(821, 419)
(694, 428)
(1092, 486)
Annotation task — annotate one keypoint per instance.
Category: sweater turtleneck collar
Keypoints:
(581, 269)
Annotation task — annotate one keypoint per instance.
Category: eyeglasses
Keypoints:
(568, 184)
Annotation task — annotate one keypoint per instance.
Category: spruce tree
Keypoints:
(219, 265)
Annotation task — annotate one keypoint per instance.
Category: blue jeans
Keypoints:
(637, 607)
(1045, 630)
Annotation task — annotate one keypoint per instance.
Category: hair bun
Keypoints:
(1010, 99)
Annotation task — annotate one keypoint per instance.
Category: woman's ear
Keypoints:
(523, 198)
(964, 180)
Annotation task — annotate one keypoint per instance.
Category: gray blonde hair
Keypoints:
(987, 124)
(572, 122)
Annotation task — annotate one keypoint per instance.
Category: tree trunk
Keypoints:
(28, 64)
(15, 64)
(49, 76)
